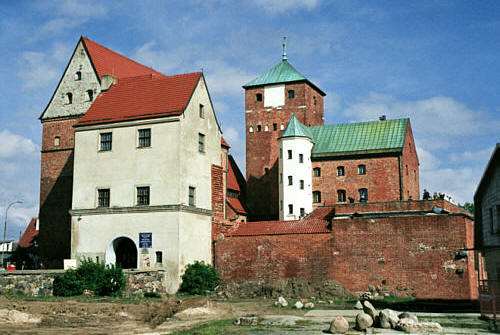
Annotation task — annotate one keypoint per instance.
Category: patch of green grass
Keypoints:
(394, 299)
(218, 327)
(94, 299)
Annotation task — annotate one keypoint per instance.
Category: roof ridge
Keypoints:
(353, 123)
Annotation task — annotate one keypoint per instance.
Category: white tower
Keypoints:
(295, 168)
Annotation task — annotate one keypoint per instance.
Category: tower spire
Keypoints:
(283, 57)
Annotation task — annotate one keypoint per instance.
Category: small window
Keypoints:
(202, 111)
(258, 97)
(492, 221)
(90, 95)
(159, 257)
(201, 142)
(103, 197)
(69, 98)
(281, 152)
(106, 141)
(317, 172)
(341, 196)
(250, 129)
(275, 126)
(282, 126)
(363, 195)
(301, 184)
(291, 94)
(57, 141)
(302, 212)
(290, 209)
(281, 178)
(290, 180)
(259, 128)
(192, 196)
(144, 138)
(340, 171)
(143, 196)
(301, 158)
(78, 75)
(316, 197)
(281, 205)
(266, 128)
(361, 169)
(290, 154)
(314, 101)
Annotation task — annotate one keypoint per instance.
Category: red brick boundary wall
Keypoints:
(407, 255)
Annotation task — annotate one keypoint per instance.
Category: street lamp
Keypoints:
(5, 229)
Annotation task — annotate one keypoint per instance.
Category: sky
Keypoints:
(436, 62)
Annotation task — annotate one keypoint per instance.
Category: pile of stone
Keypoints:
(369, 317)
(282, 302)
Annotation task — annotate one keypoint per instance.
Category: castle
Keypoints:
(135, 172)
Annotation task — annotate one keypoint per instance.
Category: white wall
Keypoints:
(292, 194)
(274, 95)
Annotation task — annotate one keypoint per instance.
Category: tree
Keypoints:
(468, 206)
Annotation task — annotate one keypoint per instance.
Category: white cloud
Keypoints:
(282, 6)
(13, 145)
(224, 79)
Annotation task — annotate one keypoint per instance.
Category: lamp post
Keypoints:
(5, 229)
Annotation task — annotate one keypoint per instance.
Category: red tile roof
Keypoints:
(232, 181)
(304, 226)
(29, 234)
(223, 143)
(107, 61)
(142, 97)
(236, 205)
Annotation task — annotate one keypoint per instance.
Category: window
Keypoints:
(144, 138)
(282, 126)
(289, 154)
(250, 129)
(159, 257)
(281, 205)
(143, 196)
(202, 111)
(341, 196)
(57, 141)
(340, 171)
(291, 94)
(290, 209)
(106, 141)
(301, 158)
(314, 101)
(266, 128)
(69, 98)
(317, 172)
(361, 169)
(259, 127)
(492, 221)
(201, 142)
(275, 126)
(281, 178)
(78, 75)
(103, 197)
(301, 184)
(258, 97)
(90, 95)
(302, 212)
(363, 195)
(316, 197)
(192, 196)
(290, 180)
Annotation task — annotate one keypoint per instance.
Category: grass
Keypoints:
(218, 327)
(89, 299)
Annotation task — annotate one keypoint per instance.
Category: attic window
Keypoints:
(202, 111)
(57, 141)
(78, 75)
(291, 94)
(69, 98)
(258, 97)
(90, 95)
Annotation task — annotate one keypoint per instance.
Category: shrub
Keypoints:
(101, 279)
(199, 278)
(67, 284)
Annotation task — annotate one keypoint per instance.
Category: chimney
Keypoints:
(382, 118)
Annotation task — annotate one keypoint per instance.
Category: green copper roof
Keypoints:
(359, 138)
(296, 129)
(281, 73)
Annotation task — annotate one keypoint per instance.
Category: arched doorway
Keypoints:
(122, 252)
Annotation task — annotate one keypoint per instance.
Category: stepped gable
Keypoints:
(142, 97)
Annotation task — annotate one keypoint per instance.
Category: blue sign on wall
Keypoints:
(145, 240)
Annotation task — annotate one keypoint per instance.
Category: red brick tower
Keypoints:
(270, 100)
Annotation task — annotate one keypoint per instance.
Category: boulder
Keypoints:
(363, 321)
(339, 325)
(406, 315)
(410, 326)
(299, 305)
(282, 302)
(388, 318)
(358, 305)
(369, 309)
(309, 305)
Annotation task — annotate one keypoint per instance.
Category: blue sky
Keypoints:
(434, 61)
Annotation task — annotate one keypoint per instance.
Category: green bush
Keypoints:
(101, 279)
(199, 278)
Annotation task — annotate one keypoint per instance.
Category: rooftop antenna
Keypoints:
(283, 57)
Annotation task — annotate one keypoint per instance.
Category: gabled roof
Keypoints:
(359, 138)
(30, 233)
(236, 205)
(296, 129)
(142, 97)
(283, 72)
(107, 61)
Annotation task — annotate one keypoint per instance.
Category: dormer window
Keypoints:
(258, 97)
(291, 94)
(78, 75)
(90, 95)
(69, 98)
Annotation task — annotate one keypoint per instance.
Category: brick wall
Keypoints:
(217, 194)
(262, 148)
(410, 255)
(410, 168)
(56, 187)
